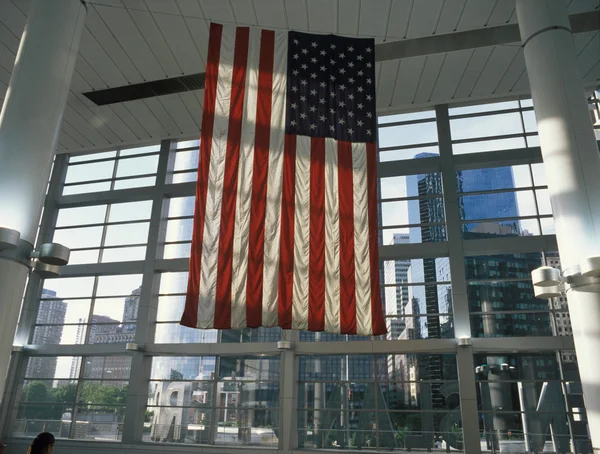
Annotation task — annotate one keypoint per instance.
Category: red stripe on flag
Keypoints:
(347, 277)
(377, 318)
(286, 266)
(229, 197)
(190, 314)
(256, 240)
(316, 276)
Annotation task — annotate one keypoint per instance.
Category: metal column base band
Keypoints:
(21, 254)
(544, 30)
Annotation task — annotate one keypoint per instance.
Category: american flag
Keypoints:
(285, 225)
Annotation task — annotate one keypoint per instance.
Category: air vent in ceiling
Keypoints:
(147, 89)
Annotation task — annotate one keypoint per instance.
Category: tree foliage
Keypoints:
(43, 402)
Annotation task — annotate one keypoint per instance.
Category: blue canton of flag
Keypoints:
(331, 87)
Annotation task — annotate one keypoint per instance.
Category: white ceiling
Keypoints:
(131, 41)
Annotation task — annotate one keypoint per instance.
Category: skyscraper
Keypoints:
(50, 320)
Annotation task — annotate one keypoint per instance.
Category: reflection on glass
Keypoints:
(521, 399)
(76, 238)
(94, 214)
(488, 145)
(130, 211)
(480, 108)
(137, 166)
(92, 156)
(341, 408)
(411, 134)
(90, 172)
(86, 188)
(486, 126)
(407, 153)
(490, 298)
(406, 117)
(135, 183)
(224, 401)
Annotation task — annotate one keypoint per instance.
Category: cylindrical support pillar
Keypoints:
(29, 126)
(572, 165)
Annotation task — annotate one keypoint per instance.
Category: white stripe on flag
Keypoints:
(275, 183)
(212, 222)
(301, 234)
(364, 326)
(332, 238)
(244, 186)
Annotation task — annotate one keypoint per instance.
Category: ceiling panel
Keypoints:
(76, 120)
(135, 40)
(165, 119)
(13, 16)
(297, 14)
(270, 13)
(100, 61)
(476, 14)
(322, 16)
(502, 13)
(450, 16)
(154, 37)
(430, 75)
(470, 77)
(94, 119)
(495, 69)
(181, 43)
(424, 18)
(107, 41)
(512, 75)
(450, 75)
(194, 107)
(408, 79)
(8, 38)
(399, 19)
(191, 8)
(589, 55)
(78, 138)
(349, 15)
(129, 37)
(139, 109)
(245, 13)
(217, 10)
(375, 17)
(387, 75)
(133, 124)
(7, 58)
(163, 6)
(579, 6)
(184, 123)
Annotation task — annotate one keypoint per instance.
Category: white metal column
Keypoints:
(29, 127)
(572, 164)
(137, 393)
(460, 301)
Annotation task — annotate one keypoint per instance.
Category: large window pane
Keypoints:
(137, 166)
(411, 134)
(89, 172)
(486, 126)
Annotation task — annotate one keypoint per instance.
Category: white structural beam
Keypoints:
(29, 127)
(572, 164)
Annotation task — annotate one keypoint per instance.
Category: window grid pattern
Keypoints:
(388, 383)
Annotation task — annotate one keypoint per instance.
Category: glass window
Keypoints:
(410, 134)
(137, 166)
(89, 172)
(481, 108)
(486, 126)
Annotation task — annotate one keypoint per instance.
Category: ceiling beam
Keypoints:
(437, 44)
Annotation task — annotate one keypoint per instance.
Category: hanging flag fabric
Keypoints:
(285, 223)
